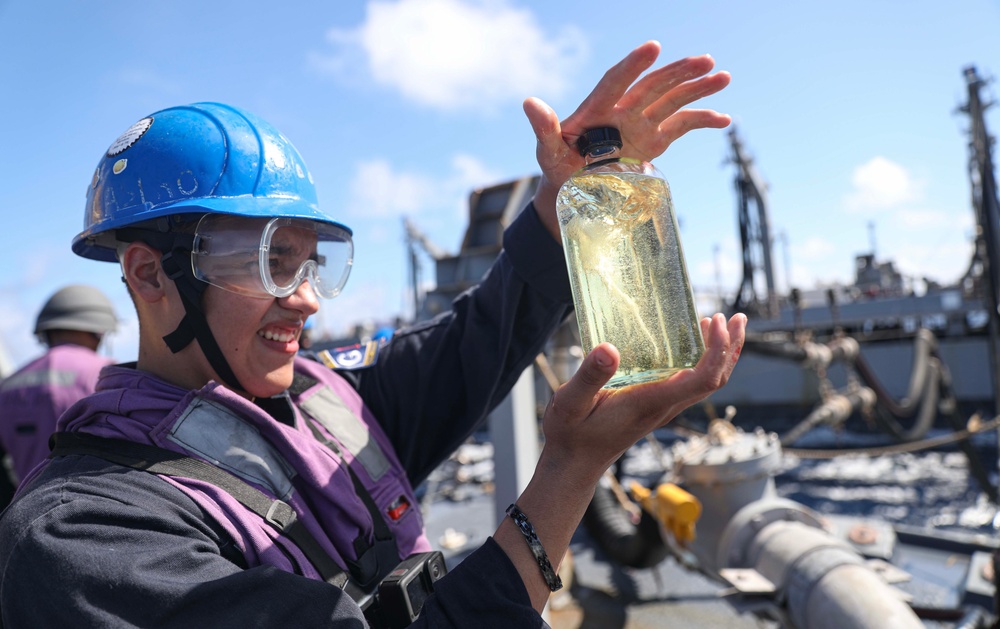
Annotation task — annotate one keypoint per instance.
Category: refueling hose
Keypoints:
(636, 545)
(923, 394)
(921, 400)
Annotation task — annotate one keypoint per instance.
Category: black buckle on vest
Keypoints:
(280, 515)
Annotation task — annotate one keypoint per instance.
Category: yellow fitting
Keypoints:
(677, 510)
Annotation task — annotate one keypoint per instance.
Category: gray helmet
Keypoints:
(77, 307)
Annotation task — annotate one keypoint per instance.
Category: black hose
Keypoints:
(610, 525)
(924, 346)
(928, 406)
(920, 400)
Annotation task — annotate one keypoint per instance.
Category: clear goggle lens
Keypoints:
(271, 257)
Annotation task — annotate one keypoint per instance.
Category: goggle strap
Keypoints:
(163, 241)
(184, 334)
(172, 265)
(194, 325)
(181, 337)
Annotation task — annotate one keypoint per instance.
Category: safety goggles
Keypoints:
(271, 257)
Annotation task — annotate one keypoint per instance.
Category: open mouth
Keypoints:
(279, 336)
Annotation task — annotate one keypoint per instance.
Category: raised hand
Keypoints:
(649, 112)
(587, 428)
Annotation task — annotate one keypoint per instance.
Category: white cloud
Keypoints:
(817, 261)
(123, 344)
(921, 219)
(456, 54)
(19, 309)
(812, 249)
(944, 262)
(470, 172)
(881, 184)
(17, 343)
(380, 191)
(929, 219)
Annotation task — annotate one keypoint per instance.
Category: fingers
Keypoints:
(669, 118)
(688, 120)
(723, 345)
(555, 158)
(666, 104)
(550, 149)
(705, 324)
(650, 111)
(737, 336)
(576, 397)
(616, 80)
(665, 80)
(673, 121)
(738, 328)
(713, 361)
(544, 121)
(584, 418)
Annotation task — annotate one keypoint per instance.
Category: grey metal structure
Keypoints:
(777, 549)
(491, 209)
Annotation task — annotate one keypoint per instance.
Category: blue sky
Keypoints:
(401, 108)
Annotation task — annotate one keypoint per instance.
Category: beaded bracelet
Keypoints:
(551, 578)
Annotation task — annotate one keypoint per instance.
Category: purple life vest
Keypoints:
(286, 462)
(33, 398)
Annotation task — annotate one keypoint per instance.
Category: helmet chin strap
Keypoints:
(177, 265)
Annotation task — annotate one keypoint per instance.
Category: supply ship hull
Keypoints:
(771, 391)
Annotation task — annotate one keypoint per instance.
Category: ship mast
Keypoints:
(417, 239)
(755, 236)
(984, 202)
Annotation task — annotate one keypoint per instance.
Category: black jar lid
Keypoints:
(599, 141)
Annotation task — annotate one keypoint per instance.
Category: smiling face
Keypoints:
(259, 337)
(258, 334)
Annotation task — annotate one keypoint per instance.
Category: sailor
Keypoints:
(72, 324)
(225, 480)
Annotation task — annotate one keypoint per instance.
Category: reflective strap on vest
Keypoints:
(158, 460)
(375, 558)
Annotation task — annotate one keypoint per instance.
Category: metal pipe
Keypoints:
(834, 410)
(825, 582)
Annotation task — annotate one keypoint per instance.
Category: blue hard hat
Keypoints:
(204, 157)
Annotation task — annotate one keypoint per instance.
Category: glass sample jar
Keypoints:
(626, 266)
